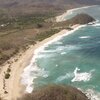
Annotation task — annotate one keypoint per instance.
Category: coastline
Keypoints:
(27, 79)
(68, 12)
(13, 85)
(19, 63)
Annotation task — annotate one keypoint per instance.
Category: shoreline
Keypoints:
(27, 80)
(61, 18)
(13, 85)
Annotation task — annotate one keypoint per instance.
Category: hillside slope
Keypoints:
(14, 7)
(52, 2)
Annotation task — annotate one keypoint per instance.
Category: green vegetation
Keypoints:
(8, 70)
(24, 21)
(55, 92)
(18, 32)
(26, 30)
(46, 34)
(7, 75)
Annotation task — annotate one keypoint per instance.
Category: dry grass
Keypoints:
(21, 32)
(12, 42)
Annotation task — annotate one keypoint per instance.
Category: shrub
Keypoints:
(7, 75)
(8, 70)
(39, 25)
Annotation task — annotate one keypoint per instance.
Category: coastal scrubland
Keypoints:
(17, 33)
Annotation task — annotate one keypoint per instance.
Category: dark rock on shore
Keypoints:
(78, 19)
(81, 19)
(55, 92)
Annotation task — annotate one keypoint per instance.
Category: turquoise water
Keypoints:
(74, 59)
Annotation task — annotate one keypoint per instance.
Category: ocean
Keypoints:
(69, 60)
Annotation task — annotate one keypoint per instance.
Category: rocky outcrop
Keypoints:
(78, 19)
(55, 92)
(81, 19)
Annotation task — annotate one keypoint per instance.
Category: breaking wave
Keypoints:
(85, 37)
(81, 76)
(92, 95)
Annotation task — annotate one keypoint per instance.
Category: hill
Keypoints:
(56, 92)
(81, 19)
(20, 7)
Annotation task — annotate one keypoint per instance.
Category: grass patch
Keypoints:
(46, 34)
(25, 21)
(8, 70)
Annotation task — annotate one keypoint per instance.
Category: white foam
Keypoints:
(31, 73)
(58, 42)
(97, 24)
(72, 47)
(62, 53)
(48, 51)
(27, 77)
(92, 95)
(63, 77)
(68, 48)
(81, 76)
(45, 56)
(85, 37)
(56, 65)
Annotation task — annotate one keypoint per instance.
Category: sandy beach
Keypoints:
(11, 89)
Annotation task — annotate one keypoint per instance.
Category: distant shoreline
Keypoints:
(62, 17)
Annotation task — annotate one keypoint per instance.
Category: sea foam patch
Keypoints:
(63, 53)
(32, 74)
(92, 94)
(81, 76)
(85, 37)
(97, 24)
(63, 77)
